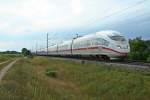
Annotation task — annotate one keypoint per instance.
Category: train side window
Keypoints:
(83, 44)
(105, 42)
(88, 43)
(74, 46)
(78, 45)
(94, 42)
(101, 41)
(91, 42)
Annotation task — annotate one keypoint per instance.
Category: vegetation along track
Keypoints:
(6, 68)
(127, 63)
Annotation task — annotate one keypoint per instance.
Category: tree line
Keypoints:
(139, 49)
(9, 52)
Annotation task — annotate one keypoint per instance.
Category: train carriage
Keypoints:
(104, 45)
(64, 48)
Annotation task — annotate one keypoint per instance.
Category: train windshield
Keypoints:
(117, 38)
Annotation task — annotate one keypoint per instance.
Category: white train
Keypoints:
(103, 45)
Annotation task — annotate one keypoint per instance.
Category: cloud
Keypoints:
(26, 17)
(77, 7)
(15, 45)
(36, 15)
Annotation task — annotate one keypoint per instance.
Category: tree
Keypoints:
(26, 52)
(140, 49)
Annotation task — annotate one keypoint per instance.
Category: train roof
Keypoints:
(109, 33)
(101, 33)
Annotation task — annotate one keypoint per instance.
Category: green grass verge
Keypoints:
(75, 81)
(4, 57)
(3, 65)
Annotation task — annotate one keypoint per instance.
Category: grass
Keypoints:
(75, 81)
(51, 73)
(5, 57)
(4, 64)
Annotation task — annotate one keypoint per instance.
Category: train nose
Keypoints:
(123, 46)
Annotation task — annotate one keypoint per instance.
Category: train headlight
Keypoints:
(119, 46)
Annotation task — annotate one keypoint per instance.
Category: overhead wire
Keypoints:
(117, 12)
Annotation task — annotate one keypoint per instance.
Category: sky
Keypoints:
(25, 23)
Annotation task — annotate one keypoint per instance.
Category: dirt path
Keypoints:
(6, 68)
(3, 62)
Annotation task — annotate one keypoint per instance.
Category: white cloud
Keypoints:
(34, 15)
(14, 45)
(41, 15)
(77, 7)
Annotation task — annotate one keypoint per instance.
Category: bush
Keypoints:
(140, 49)
(148, 58)
(26, 52)
(138, 55)
(134, 55)
(51, 73)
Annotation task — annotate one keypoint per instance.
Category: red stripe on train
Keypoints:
(109, 49)
(123, 53)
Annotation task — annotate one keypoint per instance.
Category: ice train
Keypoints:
(102, 45)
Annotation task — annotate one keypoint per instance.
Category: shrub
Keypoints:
(138, 55)
(133, 55)
(51, 73)
(148, 59)
(26, 52)
(139, 49)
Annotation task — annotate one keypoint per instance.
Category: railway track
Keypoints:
(134, 62)
(126, 63)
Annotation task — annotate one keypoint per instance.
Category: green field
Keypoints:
(27, 80)
(5, 57)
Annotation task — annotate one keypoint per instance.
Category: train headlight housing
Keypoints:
(119, 46)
